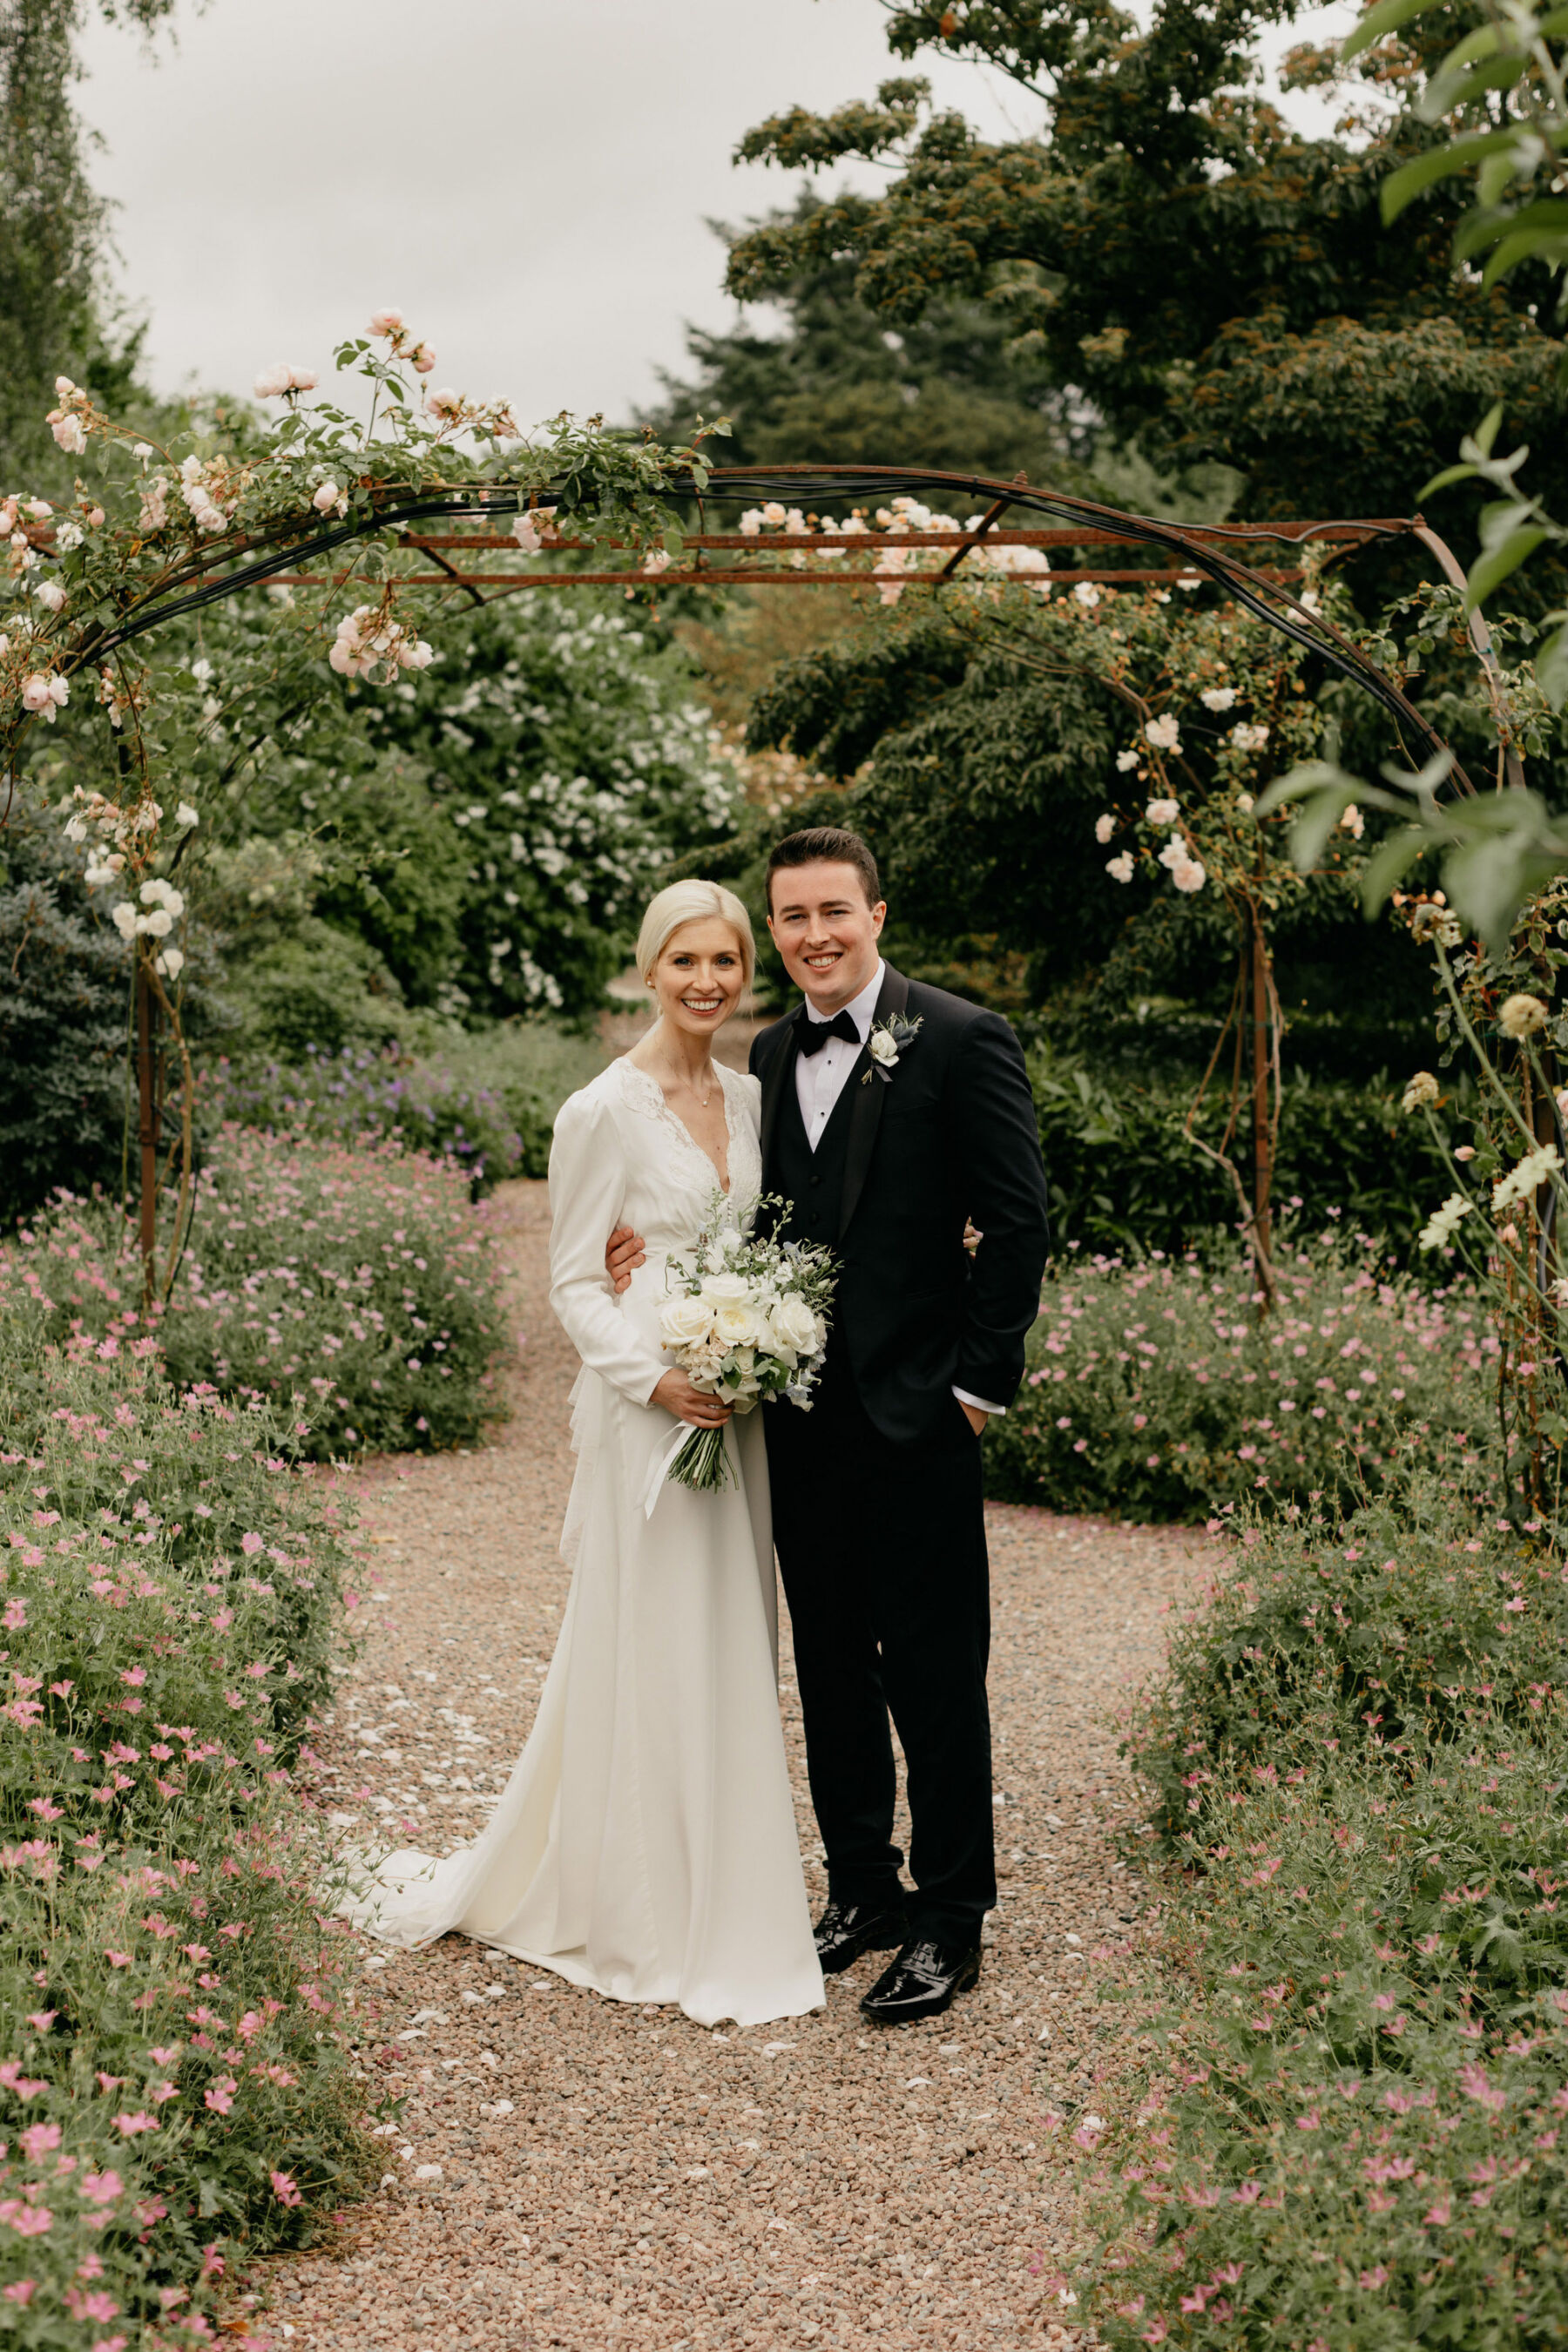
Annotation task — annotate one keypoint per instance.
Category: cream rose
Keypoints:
(793, 1326)
(684, 1321)
(737, 1324)
(726, 1286)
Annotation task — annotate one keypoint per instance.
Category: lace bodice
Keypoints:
(621, 1156)
(742, 1116)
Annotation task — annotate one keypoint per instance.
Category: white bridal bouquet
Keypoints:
(748, 1319)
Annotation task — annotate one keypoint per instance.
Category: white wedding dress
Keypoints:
(646, 1842)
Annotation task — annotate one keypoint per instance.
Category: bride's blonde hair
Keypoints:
(692, 902)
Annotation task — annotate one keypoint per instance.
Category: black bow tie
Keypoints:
(814, 1034)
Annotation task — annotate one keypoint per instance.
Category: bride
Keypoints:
(646, 1842)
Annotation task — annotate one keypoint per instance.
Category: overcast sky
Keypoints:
(529, 181)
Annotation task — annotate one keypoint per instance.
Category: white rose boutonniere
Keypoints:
(888, 1042)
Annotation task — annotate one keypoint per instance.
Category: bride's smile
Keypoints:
(698, 981)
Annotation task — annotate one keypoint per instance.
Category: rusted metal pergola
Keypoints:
(541, 552)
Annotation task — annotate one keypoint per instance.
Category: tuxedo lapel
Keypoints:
(865, 1108)
(776, 1076)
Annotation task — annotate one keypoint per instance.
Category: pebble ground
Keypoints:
(587, 2175)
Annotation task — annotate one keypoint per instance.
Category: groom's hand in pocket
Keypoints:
(623, 1253)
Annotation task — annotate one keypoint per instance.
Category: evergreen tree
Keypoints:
(840, 385)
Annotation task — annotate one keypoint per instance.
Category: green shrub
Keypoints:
(171, 2088)
(320, 990)
(487, 1103)
(1396, 1627)
(1347, 2133)
(1154, 1391)
(567, 765)
(62, 1050)
(1124, 1175)
(358, 1285)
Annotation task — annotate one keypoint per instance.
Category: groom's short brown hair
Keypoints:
(831, 842)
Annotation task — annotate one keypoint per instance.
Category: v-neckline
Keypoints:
(725, 1180)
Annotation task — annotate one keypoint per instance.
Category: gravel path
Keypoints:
(621, 2177)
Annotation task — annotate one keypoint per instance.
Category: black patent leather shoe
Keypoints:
(923, 1980)
(847, 1929)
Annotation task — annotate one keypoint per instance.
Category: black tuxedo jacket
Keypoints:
(949, 1135)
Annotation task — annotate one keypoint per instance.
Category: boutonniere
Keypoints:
(890, 1040)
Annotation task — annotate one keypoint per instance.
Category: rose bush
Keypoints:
(359, 1285)
(172, 2084)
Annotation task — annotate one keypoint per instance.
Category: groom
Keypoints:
(891, 1113)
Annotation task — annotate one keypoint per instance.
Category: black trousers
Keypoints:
(882, 1550)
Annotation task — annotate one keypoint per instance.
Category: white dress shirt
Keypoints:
(820, 1078)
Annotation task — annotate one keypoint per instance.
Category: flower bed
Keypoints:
(486, 1104)
(359, 1282)
(1347, 2134)
(171, 2088)
(1155, 1391)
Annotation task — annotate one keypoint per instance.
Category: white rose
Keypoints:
(123, 918)
(160, 923)
(793, 1326)
(726, 1287)
(683, 1321)
(737, 1323)
(884, 1049)
(1104, 826)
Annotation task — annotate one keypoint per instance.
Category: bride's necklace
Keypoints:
(704, 1100)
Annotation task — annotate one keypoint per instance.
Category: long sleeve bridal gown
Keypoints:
(646, 1842)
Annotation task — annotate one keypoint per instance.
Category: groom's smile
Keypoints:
(826, 930)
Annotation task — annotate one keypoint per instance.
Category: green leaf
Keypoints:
(1437, 164)
(1550, 251)
(1488, 878)
(1388, 865)
(1441, 481)
(1387, 18)
(1491, 569)
(1486, 430)
(1448, 92)
(1318, 817)
(1551, 669)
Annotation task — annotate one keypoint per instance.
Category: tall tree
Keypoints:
(840, 384)
(1219, 285)
(54, 230)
